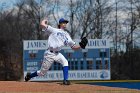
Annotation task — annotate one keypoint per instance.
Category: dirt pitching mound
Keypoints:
(57, 87)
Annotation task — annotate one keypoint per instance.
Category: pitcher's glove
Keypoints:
(83, 42)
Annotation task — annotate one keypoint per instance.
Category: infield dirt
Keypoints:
(57, 87)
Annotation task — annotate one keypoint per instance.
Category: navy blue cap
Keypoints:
(62, 20)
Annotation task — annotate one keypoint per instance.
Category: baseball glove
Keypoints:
(83, 42)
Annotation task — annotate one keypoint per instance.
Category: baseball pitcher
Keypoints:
(58, 38)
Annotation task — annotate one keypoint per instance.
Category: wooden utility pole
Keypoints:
(131, 44)
(116, 30)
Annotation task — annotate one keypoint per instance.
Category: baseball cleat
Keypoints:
(27, 77)
(66, 82)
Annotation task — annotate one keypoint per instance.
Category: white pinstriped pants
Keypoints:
(49, 59)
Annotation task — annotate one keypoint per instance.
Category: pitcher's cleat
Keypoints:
(66, 82)
(27, 77)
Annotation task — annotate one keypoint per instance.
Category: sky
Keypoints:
(8, 4)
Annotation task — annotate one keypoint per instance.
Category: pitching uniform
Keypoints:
(57, 39)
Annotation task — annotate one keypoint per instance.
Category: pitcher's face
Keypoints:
(63, 25)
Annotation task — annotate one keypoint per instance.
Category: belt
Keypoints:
(54, 51)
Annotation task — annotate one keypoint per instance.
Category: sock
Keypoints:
(65, 72)
(33, 74)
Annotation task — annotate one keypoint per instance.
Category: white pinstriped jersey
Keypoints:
(58, 38)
